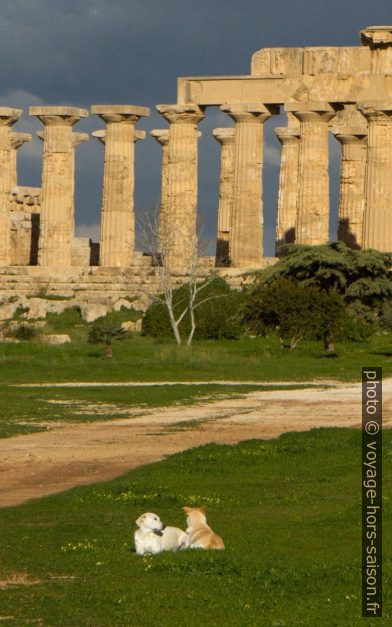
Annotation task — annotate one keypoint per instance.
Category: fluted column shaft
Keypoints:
(246, 237)
(377, 223)
(178, 232)
(288, 186)
(57, 205)
(225, 136)
(352, 185)
(17, 140)
(117, 219)
(312, 225)
(7, 118)
(162, 137)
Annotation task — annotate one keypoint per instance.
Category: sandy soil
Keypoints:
(39, 464)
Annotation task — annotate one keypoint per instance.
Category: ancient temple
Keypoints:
(343, 91)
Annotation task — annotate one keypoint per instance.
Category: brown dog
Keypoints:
(200, 534)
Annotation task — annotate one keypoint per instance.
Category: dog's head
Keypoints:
(194, 515)
(150, 521)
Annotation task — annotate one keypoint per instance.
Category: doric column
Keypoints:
(312, 225)
(225, 136)
(178, 232)
(57, 205)
(17, 140)
(246, 237)
(377, 223)
(162, 137)
(77, 138)
(8, 117)
(352, 184)
(118, 220)
(288, 186)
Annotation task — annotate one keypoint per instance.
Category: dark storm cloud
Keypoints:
(90, 51)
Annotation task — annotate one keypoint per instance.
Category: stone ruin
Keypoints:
(343, 90)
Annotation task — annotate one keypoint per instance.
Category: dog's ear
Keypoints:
(139, 521)
(186, 509)
(202, 508)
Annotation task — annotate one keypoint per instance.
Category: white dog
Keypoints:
(153, 536)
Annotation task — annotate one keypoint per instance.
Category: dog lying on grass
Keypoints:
(199, 533)
(153, 536)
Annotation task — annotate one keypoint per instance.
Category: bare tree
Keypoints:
(157, 236)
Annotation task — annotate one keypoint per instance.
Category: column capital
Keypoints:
(17, 139)
(161, 135)
(349, 135)
(101, 135)
(376, 36)
(376, 111)
(77, 138)
(311, 111)
(250, 112)
(9, 116)
(224, 135)
(120, 113)
(58, 116)
(185, 113)
(286, 135)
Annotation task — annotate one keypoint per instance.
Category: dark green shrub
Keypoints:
(216, 318)
(25, 332)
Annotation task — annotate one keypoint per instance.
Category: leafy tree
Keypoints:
(106, 333)
(295, 312)
(360, 276)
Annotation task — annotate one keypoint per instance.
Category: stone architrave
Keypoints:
(288, 184)
(57, 205)
(118, 220)
(162, 137)
(17, 140)
(225, 137)
(312, 225)
(377, 222)
(246, 226)
(178, 236)
(8, 117)
(352, 184)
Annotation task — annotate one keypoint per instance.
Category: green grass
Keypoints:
(144, 359)
(289, 511)
(24, 410)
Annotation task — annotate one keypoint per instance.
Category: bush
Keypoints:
(25, 332)
(294, 312)
(217, 318)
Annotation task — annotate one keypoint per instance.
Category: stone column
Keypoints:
(162, 137)
(225, 136)
(101, 135)
(288, 186)
(246, 237)
(57, 205)
(312, 225)
(178, 231)
(17, 140)
(377, 223)
(8, 117)
(77, 138)
(352, 184)
(118, 220)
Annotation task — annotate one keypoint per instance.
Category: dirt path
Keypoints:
(43, 463)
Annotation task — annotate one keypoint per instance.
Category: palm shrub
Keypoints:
(106, 333)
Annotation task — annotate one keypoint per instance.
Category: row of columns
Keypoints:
(365, 215)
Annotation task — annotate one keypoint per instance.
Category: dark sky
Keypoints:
(83, 52)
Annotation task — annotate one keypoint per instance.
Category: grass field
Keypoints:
(145, 359)
(25, 410)
(288, 510)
